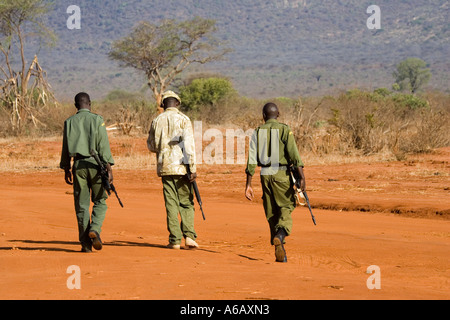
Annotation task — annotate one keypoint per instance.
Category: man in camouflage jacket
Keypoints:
(171, 138)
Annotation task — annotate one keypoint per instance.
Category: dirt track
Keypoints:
(392, 214)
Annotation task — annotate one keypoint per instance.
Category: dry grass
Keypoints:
(354, 127)
(130, 153)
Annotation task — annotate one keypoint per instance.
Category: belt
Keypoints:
(80, 157)
(272, 170)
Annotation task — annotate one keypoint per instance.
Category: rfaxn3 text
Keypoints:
(235, 309)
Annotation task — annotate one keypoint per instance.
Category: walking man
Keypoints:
(83, 132)
(171, 138)
(273, 148)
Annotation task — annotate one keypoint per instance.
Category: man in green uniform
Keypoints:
(172, 139)
(83, 132)
(273, 148)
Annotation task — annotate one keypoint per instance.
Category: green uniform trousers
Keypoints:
(87, 186)
(179, 199)
(278, 201)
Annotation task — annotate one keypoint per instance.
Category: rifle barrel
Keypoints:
(199, 199)
(105, 178)
(296, 178)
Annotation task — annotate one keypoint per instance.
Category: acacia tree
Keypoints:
(411, 74)
(163, 51)
(23, 88)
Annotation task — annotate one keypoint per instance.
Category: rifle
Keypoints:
(298, 192)
(105, 178)
(197, 193)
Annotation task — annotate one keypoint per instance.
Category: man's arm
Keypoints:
(252, 161)
(294, 158)
(151, 140)
(103, 147)
(302, 178)
(65, 158)
(189, 148)
(292, 150)
(248, 188)
(251, 165)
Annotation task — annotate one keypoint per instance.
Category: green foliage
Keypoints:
(411, 74)
(162, 51)
(410, 101)
(205, 92)
(382, 92)
(26, 14)
(123, 96)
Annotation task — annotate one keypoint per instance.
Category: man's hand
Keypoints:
(110, 173)
(192, 177)
(248, 188)
(68, 177)
(249, 193)
(302, 179)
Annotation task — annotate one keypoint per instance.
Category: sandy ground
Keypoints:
(394, 215)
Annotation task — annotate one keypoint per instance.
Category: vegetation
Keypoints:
(411, 74)
(165, 50)
(205, 92)
(280, 47)
(23, 87)
(353, 123)
(361, 122)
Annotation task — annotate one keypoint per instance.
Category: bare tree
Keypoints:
(163, 51)
(23, 87)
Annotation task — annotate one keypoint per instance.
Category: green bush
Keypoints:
(205, 92)
(410, 101)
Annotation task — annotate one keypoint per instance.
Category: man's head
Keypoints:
(82, 101)
(170, 100)
(270, 111)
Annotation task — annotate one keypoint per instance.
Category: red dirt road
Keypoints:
(394, 215)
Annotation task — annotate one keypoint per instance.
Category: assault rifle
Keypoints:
(197, 193)
(105, 177)
(299, 194)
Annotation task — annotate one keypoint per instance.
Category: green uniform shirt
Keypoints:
(83, 132)
(272, 145)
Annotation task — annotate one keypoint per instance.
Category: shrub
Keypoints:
(205, 92)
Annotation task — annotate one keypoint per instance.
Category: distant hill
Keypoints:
(281, 47)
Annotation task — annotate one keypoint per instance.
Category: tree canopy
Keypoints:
(411, 74)
(162, 51)
(205, 91)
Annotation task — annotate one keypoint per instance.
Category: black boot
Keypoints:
(278, 240)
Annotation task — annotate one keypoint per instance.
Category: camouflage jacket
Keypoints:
(172, 139)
